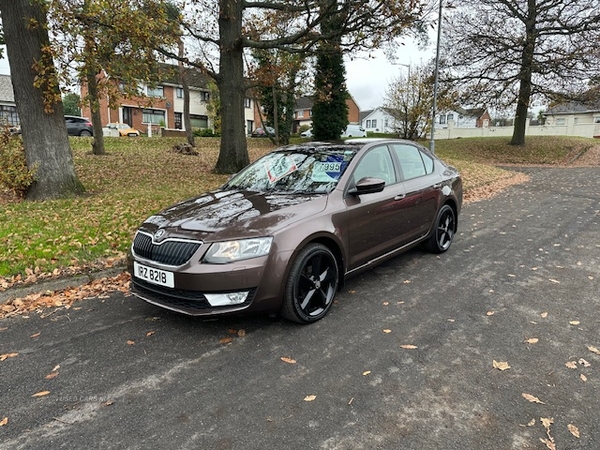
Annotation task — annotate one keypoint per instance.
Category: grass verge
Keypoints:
(141, 176)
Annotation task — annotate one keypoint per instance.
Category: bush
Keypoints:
(204, 132)
(14, 173)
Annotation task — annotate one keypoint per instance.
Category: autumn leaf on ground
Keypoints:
(51, 375)
(310, 398)
(387, 331)
(532, 341)
(583, 377)
(544, 315)
(593, 350)
(3, 421)
(7, 355)
(41, 394)
(385, 303)
(574, 322)
(546, 422)
(225, 340)
(130, 342)
(287, 359)
(573, 430)
(241, 333)
(584, 363)
(500, 365)
(150, 333)
(532, 398)
(409, 346)
(571, 364)
(35, 335)
(366, 372)
(490, 313)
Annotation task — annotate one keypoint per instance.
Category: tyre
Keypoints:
(311, 285)
(443, 232)
(85, 133)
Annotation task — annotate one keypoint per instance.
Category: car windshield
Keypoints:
(294, 171)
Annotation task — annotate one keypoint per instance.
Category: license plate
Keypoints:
(152, 275)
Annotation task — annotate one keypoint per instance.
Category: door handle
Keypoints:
(437, 185)
(399, 197)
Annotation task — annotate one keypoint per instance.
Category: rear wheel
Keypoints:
(85, 133)
(311, 285)
(443, 233)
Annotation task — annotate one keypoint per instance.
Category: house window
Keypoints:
(450, 117)
(153, 116)
(205, 96)
(561, 122)
(178, 120)
(8, 114)
(179, 92)
(373, 123)
(157, 91)
(597, 119)
(247, 103)
(385, 123)
(199, 121)
(442, 119)
(310, 113)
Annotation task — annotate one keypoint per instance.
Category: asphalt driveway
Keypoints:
(405, 360)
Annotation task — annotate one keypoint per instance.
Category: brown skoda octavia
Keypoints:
(281, 235)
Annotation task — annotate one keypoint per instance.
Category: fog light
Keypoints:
(227, 298)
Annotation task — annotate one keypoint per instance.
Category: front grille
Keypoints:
(171, 253)
(178, 298)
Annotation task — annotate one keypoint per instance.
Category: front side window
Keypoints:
(377, 163)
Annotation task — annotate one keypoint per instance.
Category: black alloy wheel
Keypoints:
(311, 285)
(443, 233)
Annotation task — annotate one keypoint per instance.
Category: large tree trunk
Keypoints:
(187, 122)
(40, 108)
(525, 77)
(98, 142)
(233, 154)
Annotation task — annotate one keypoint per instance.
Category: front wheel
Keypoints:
(443, 232)
(311, 285)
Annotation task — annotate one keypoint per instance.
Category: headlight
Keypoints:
(230, 251)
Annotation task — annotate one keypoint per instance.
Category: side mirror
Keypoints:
(367, 185)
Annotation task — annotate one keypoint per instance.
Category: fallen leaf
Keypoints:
(225, 340)
(7, 355)
(241, 333)
(310, 398)
(544, 315)
(574, 322)
(490, 313)
(130, 342)
(55, 368)
(583, 377)
(408, 346)
(593, 350)
(41, 394)
(571, 364)
(573, 430)
(287, 359)
(387, 331)
(385, 303)
(407, 281)
(584, 363)
(549, 444)
(546, 422)
(532, 340)
(108, 403)
(366, 372)
(351, 292)
(500, 365)
(232, 331)
(554, 281)
(35, 335)
(150, 333)
(51, 375)
(5, 421)
(531, 423)
(532, 399)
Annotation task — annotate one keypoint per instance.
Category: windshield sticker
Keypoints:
(328, 170)
(280, 168)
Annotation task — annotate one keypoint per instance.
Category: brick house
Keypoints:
(163, 104)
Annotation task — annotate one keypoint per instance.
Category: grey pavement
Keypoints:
(524, 266)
